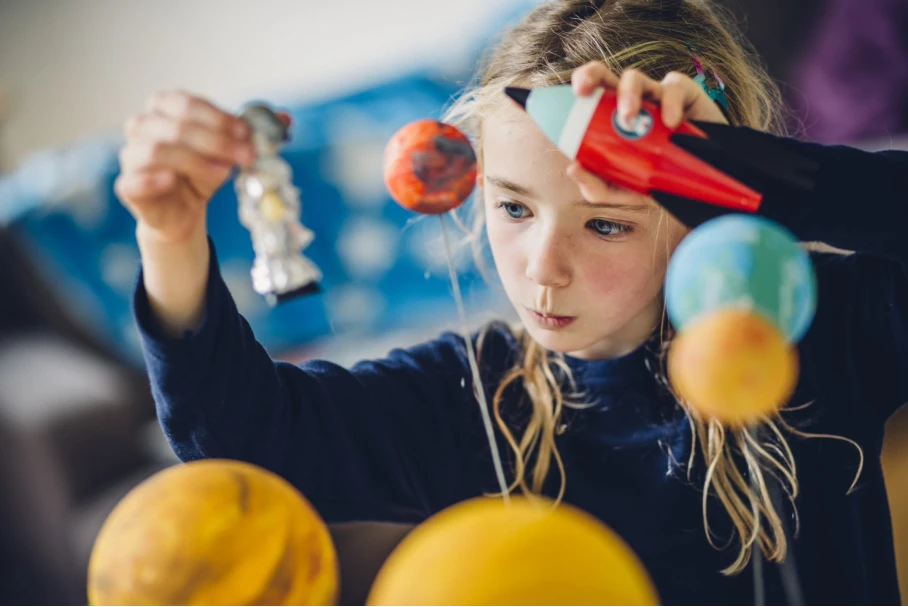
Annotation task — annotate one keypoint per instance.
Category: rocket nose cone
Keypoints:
(518, 94)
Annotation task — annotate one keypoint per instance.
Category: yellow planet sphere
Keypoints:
(733, 365)
(213, 532)
(485, 552)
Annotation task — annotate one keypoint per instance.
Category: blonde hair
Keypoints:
(655, 38)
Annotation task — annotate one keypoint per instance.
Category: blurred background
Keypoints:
(77, 427)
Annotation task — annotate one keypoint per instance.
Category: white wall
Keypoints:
(70, 68)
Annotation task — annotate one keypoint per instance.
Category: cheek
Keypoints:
(625, 273)
(503, 243)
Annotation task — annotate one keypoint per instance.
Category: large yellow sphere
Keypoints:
(213, 532)
(484, 552)
(734, 366)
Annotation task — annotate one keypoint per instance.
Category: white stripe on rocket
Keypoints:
(577, 122)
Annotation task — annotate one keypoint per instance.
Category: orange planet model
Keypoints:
(429, 167)
(213, 532)
(485, 552)
(733, 365)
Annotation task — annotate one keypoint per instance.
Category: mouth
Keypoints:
(550, 321)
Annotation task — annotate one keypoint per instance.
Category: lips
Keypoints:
(550, 321)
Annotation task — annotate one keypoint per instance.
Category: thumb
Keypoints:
(207, 187)
(593, 188)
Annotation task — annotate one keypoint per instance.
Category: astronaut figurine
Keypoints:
(269, 207)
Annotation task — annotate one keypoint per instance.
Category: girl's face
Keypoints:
(586, 278)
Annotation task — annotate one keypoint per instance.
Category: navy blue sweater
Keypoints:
(401, 438)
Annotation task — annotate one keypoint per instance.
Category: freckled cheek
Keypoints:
(623, 276)
(506, 247)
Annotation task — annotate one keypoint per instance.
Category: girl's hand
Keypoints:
(177, 153)
(677, 94)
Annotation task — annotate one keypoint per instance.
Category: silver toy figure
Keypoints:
(269, 207)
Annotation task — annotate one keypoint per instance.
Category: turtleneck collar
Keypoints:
(627, 370)
(628, 406)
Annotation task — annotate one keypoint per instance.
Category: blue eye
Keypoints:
(603, 227)
(513, 209)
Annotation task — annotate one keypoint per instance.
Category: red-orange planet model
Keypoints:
(429, 167)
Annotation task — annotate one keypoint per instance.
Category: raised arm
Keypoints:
(389, 439)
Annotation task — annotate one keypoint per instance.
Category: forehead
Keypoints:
(516, 150)
(513, 144)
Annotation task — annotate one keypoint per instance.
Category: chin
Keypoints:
(561, 341)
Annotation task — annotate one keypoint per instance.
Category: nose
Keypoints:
(547, 262)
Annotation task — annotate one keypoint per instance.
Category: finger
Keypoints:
(592, 188)
(680, 93)
(140, 156)
(591, 76)
(633, 86)
(674, 105)
(144, 185)
(215, 144)
(182, 106)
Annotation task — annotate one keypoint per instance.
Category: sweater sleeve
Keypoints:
(385, 439)
(860, 203)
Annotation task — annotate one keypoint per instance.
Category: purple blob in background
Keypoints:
(851, 83)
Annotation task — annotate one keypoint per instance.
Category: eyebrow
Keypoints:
(524, 191)
(510, 185)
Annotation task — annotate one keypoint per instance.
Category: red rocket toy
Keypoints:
(678, 168)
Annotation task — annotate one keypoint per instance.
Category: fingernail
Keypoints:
(624, 120)
(624, 113)
(240, 130)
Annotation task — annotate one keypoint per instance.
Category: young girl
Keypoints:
(582, 409)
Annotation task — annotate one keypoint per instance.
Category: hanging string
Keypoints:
(788, 569)
(474, 367)
(757, 553)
